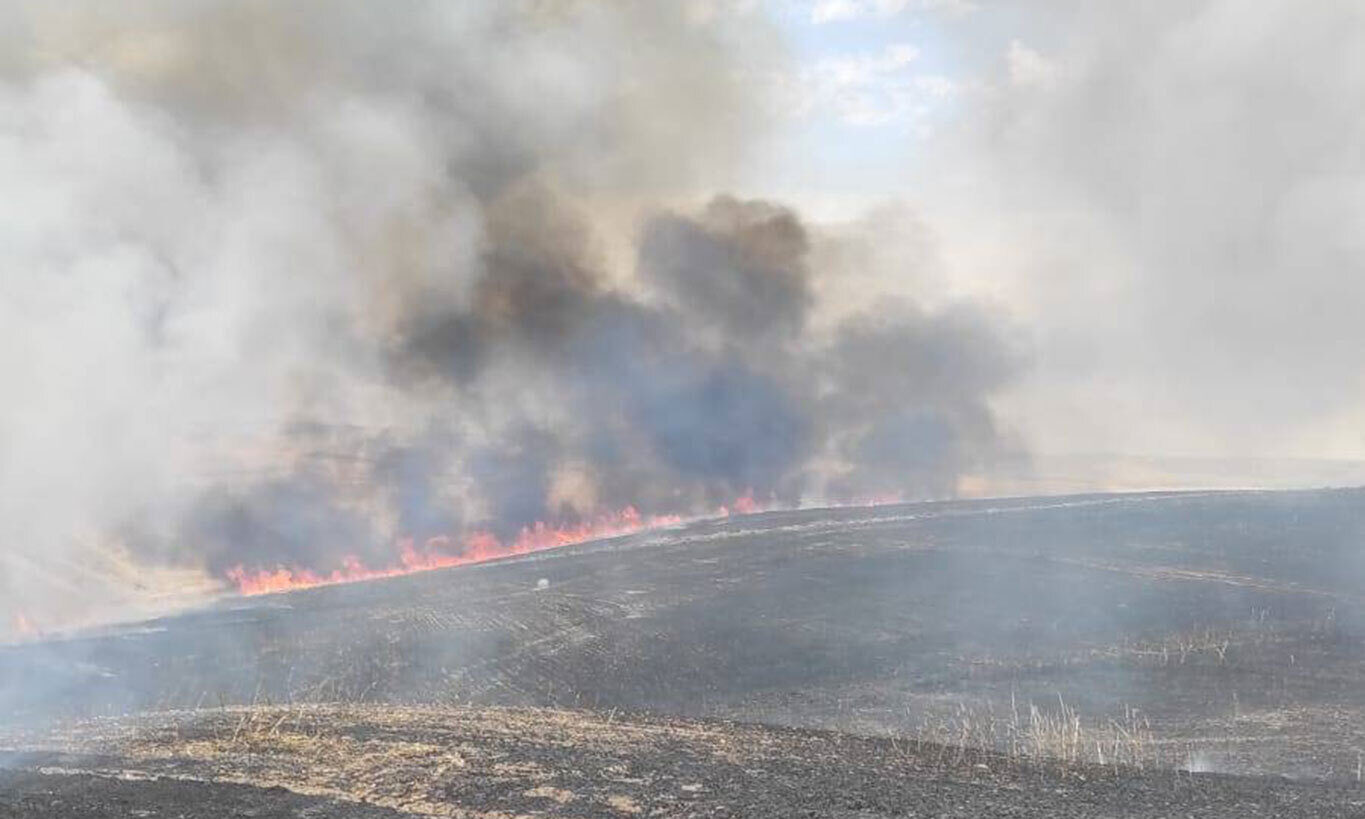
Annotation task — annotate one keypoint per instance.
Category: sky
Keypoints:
(1166, 198)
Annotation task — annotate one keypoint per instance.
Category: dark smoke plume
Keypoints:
(301, 280)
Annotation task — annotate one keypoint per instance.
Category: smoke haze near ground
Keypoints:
(285, 284)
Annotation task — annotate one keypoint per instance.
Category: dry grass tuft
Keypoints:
(1042, 734)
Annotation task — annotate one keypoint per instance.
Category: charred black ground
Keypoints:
(497, 762)
(1205, 631)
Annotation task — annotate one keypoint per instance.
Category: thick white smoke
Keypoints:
(286, 282)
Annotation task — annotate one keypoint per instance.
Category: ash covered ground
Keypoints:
(1116, 655)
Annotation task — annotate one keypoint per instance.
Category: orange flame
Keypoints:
(743, 505)
(440, 552)
(23, 627)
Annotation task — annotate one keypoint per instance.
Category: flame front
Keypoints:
(479, 547)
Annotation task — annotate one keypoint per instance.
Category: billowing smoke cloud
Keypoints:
(741, 267)
(286, 283)
(1175, 193)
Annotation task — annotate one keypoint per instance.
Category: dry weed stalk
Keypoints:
(1040, 734)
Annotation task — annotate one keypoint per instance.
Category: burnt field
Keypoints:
(1106, 636)
(376, 761)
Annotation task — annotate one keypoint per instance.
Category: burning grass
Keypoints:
(479, 547)
(441, 553)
